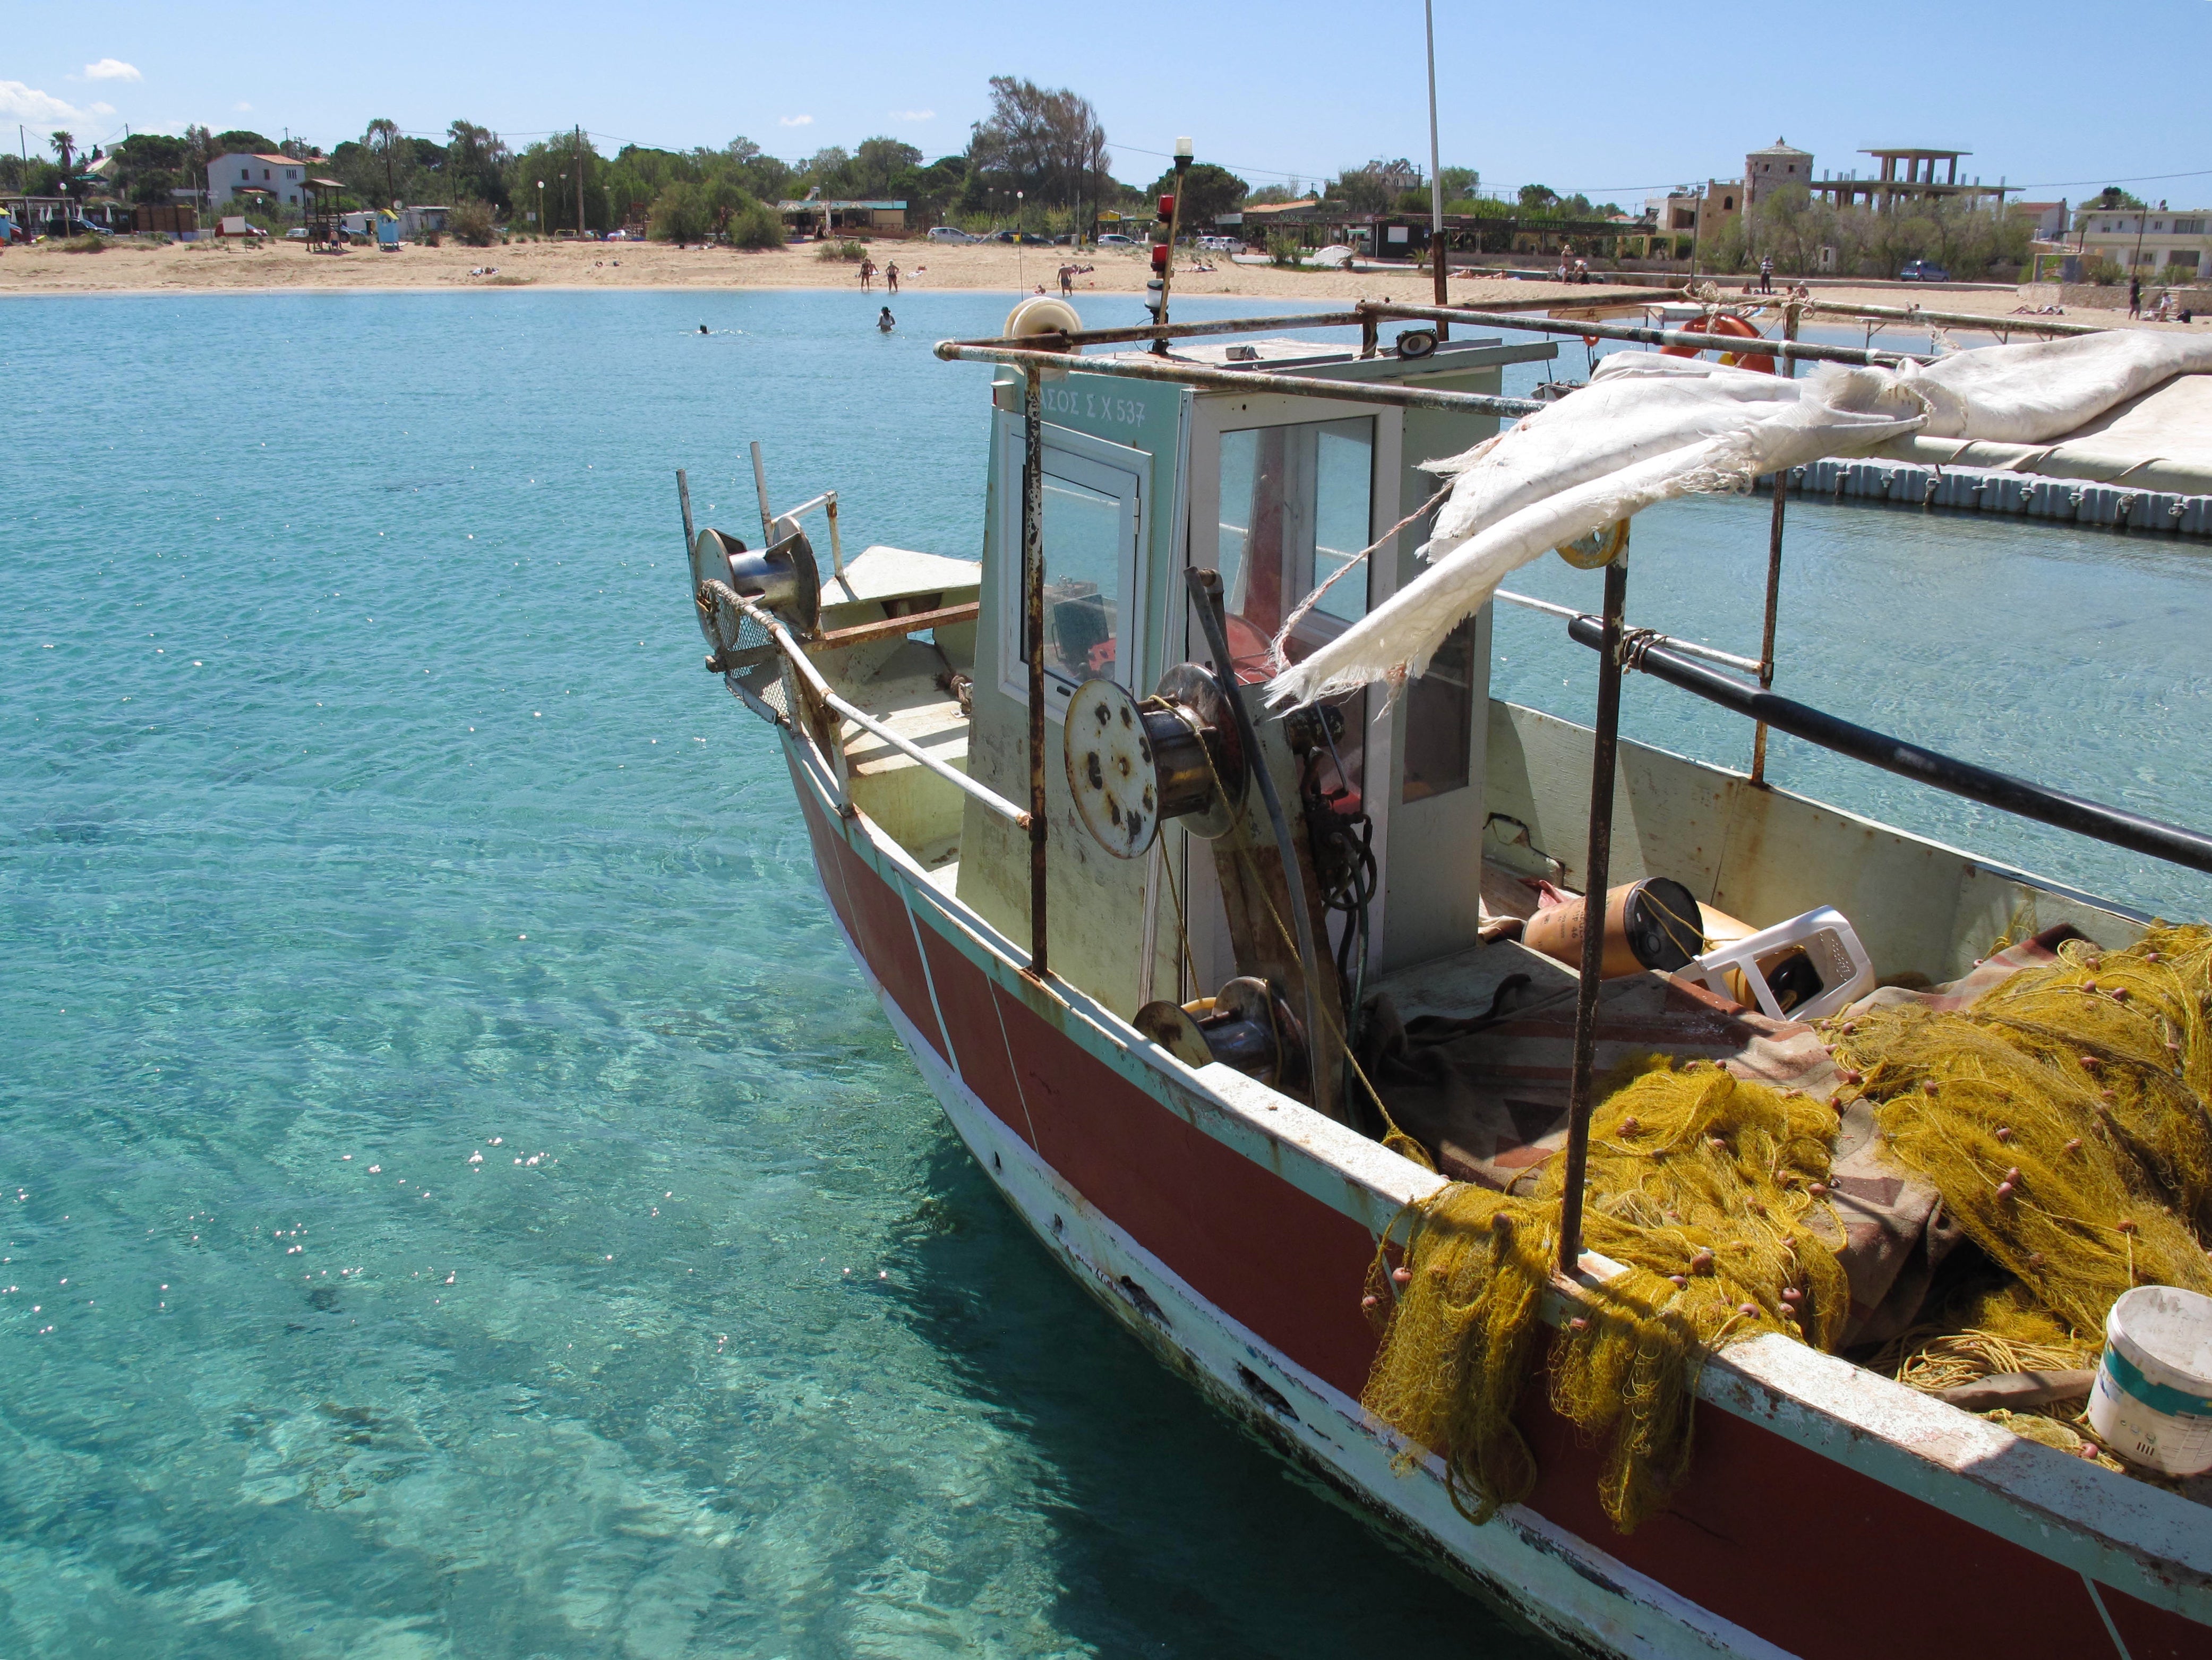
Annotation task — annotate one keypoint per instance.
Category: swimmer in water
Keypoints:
(702, 328)
(886, 321)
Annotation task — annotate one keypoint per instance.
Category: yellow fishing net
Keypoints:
(2062, 1119)
(1699, 1184)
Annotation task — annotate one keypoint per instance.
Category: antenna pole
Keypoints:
(1437, 255)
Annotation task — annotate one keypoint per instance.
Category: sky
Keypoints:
(2042, 95)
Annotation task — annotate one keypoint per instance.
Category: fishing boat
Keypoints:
(1128, 924)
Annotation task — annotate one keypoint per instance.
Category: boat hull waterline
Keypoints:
(1232, 1237)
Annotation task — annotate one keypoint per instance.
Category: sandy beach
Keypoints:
(132, 267)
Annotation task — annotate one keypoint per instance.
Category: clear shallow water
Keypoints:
(365, 812)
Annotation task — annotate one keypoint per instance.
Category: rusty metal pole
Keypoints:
(1596, 877)
(1773, 572)
(1033, 630)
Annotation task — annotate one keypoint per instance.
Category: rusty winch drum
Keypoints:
(1132, 765)
(781, 578)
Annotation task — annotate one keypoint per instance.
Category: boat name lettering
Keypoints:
(1093, 406)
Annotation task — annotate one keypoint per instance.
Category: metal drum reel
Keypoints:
(1246, 1026)
(1131, 764)
(781, 578)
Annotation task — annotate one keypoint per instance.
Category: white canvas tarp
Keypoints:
(1649, 428)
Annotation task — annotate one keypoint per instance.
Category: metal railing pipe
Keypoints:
(2190, 849)
(1638, 334)
(1710, 654)
(1191, 374)
(796, 656)
(1994, 322)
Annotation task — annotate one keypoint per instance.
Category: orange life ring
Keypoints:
(1734, 328)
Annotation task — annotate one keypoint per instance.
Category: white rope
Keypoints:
(1298, 615)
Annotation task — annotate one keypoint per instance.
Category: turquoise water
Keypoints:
(366, 813)
(460, 1198)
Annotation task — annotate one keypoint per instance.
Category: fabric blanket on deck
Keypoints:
(1487, 1095)
(1649, 428)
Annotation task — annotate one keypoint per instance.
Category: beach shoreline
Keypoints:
(212, 267)
(143, 270)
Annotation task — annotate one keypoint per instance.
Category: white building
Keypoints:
(2178, 244)
(281, 179)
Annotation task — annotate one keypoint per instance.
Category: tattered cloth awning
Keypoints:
(1649, 428)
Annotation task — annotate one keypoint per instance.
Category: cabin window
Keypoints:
(1296, 504)
(1089, 530)
(1082, 580)
(1294, 511)
(1440, 719)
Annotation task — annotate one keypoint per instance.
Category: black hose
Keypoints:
(2190, 848)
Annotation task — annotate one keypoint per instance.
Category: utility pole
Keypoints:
(580, 184)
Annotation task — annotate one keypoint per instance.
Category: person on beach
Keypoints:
(2135, 297)
(1068, 279)
(886, 321)
(890, 279)
(868, 275)
(1767, 273)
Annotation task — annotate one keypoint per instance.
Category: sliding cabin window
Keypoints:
(1440, 719)
(1296, 506)
(1091, 510)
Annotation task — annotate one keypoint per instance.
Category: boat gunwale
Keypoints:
(2124, 1534)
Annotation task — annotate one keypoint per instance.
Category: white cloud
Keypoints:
(914, 115)
(112, 68)
(21, 103)
(794, 121)
(241, 107)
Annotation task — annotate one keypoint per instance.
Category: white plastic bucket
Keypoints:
(2153, 1399)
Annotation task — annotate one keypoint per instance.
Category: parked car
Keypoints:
(1027, 239)
(1114, 240)
(950, 233)
(297, 234)
(1923, 271)
(1219, 244)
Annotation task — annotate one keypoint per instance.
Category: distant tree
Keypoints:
(1373, 188)
(199, 150)
(877, 163)
(1459, 183)
(476, 163)
(2110, 197)
(681, 215)
(829, 170)
(1267, 195)
(382, 139)
(64, 146)
(1048, 144)
(755, 225)
(243, 141)
(1208, 192)
(470, 222)
(1538, 198)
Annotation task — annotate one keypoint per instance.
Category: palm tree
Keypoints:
(383, 134)
(65, 145)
